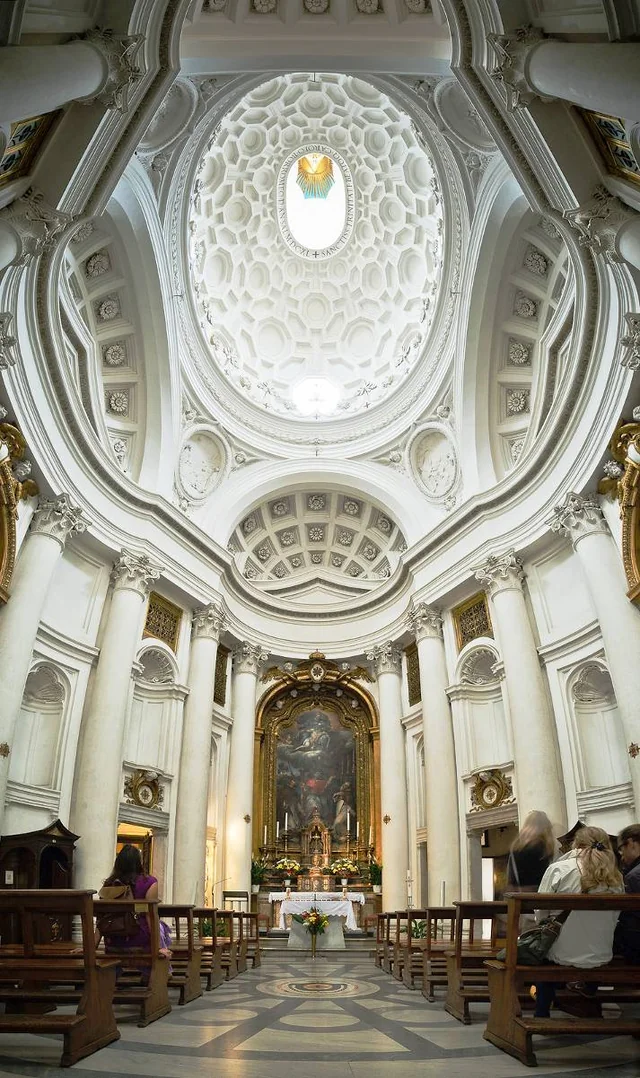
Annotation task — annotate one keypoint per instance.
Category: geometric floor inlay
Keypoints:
(338, 1018)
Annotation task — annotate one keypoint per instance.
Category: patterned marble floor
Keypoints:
(330, 1019)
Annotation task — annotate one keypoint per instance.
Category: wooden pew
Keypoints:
(399, 932)
(467, 979)
(186, 953)
(441, 927)
(389, 942)
(381, 938)
(35, 978)
(509, 1029)
(241, 942)
(211, 971)
(252, 937)
(226, 935)
(413, 947)
(143, 982)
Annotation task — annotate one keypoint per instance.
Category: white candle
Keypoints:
(443, 891)
(370, 835)
(277, 830)
(265, 835)
(357, 829)
(348, 822)
(286, 821)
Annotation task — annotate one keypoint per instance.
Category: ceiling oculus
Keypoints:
(316, 202)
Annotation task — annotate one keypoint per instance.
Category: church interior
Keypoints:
(319, 531)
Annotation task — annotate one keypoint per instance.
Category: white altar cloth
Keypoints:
(333, 903)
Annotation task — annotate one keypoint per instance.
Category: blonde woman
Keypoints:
(532, 851)
(586, 937)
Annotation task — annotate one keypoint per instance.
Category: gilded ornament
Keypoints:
(143, 788)
(491, 789)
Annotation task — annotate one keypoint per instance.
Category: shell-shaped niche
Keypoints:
(434, 463)
(201, 464)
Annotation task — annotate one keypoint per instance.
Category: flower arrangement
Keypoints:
(288, 866)
(344, 867)
(314, 920)
(258, 871)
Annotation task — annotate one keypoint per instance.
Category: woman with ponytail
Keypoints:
(586, 937)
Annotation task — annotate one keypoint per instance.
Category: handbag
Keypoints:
(117, 923)
(535, 944)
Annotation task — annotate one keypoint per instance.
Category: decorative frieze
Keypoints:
(414, 691)
(220, 677)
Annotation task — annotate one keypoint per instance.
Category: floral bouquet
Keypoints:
(344, 867)
(288, 866)
(315, 923)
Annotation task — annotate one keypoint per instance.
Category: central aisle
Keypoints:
(327, 1019)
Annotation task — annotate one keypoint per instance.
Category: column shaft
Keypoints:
(443, 834)
(98, 780)
(238, 829)
(195, 760)
(53, 521)
(534, 736)
(36, 79)
(393, 778)
(581, 519)
(601, 76)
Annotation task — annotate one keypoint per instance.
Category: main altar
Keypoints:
(316, 798)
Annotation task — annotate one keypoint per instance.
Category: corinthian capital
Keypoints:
(36, 225)
(120, 54)
(248, 657)
(577, 516)
(386, 658)
(512, 53)
(208, 622)
(135, 572)
(503, 572)
(424, 621)
(598, 222)
(58, 518)
(631, 341)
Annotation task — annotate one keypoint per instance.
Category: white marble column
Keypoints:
(538, 780)
(600, 76)
(393, 776)
(247, 659)
(443, 831)
(53, 522)
(98, 775)
(195, 758)
(36, 79)
(580, 519)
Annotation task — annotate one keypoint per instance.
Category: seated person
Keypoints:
(128, 870)
(586, 937)
(627, 938)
